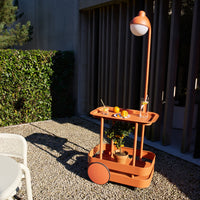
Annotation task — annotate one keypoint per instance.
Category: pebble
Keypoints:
(57, 159)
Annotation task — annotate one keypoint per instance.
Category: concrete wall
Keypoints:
(55, 23)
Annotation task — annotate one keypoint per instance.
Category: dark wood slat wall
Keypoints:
(114, 61)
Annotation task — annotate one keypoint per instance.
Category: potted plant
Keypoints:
(117, 133)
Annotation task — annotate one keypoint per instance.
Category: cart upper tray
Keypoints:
(134, 116)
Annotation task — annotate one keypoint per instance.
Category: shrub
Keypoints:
(26, 79)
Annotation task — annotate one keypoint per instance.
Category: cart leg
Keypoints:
(112, 144)
(142, 141)
(101, 137)
(135, 143)
(112, 149)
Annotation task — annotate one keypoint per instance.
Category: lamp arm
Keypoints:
(148, 62)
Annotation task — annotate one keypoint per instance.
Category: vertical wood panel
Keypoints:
(149, 13)
(160, 66)
(107, 50)
(99, 56)
(192, 74)
(126, 56)
(103, 57)
(121, 53)
(131, 57)
(113, 54)
(95, 65)
(92, 56)
(153, 53)
(110, 61)
(136, 63)
(172, 69)
(82, 67)
(117, 92)
(88, 77)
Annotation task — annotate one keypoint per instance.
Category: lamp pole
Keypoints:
(139, 26)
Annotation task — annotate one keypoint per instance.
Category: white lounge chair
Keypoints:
(12, 171)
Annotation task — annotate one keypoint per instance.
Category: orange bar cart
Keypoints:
(139, 167)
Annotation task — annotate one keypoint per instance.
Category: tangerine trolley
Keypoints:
(139, 167)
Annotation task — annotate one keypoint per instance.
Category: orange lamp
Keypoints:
(139, 26)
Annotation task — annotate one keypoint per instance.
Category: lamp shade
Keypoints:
(140, 24)
(138, 29)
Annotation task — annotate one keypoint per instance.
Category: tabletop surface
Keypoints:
(10, 175)
(134, 116)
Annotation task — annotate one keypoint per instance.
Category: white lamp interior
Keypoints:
(138, 29)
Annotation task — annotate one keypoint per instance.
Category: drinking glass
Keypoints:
(105, 110)
(144, 107)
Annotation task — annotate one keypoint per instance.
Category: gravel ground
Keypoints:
(57, 159)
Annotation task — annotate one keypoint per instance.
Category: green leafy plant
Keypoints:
(28, 80)
(118, 132)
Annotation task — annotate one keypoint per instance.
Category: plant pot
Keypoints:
(121, 157)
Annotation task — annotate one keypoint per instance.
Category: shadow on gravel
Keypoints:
(73, 160)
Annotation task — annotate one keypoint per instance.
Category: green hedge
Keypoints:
(28, 83)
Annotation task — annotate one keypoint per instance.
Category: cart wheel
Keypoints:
(98, 173)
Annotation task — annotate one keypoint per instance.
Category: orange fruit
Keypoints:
(116, 109)
(124, 113)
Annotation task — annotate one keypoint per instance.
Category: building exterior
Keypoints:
(55, 23)
(110, 62)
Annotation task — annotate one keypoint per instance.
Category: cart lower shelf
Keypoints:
(107, 169)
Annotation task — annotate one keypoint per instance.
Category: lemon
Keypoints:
(105, 109)
(116, 109)
(144, 102)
